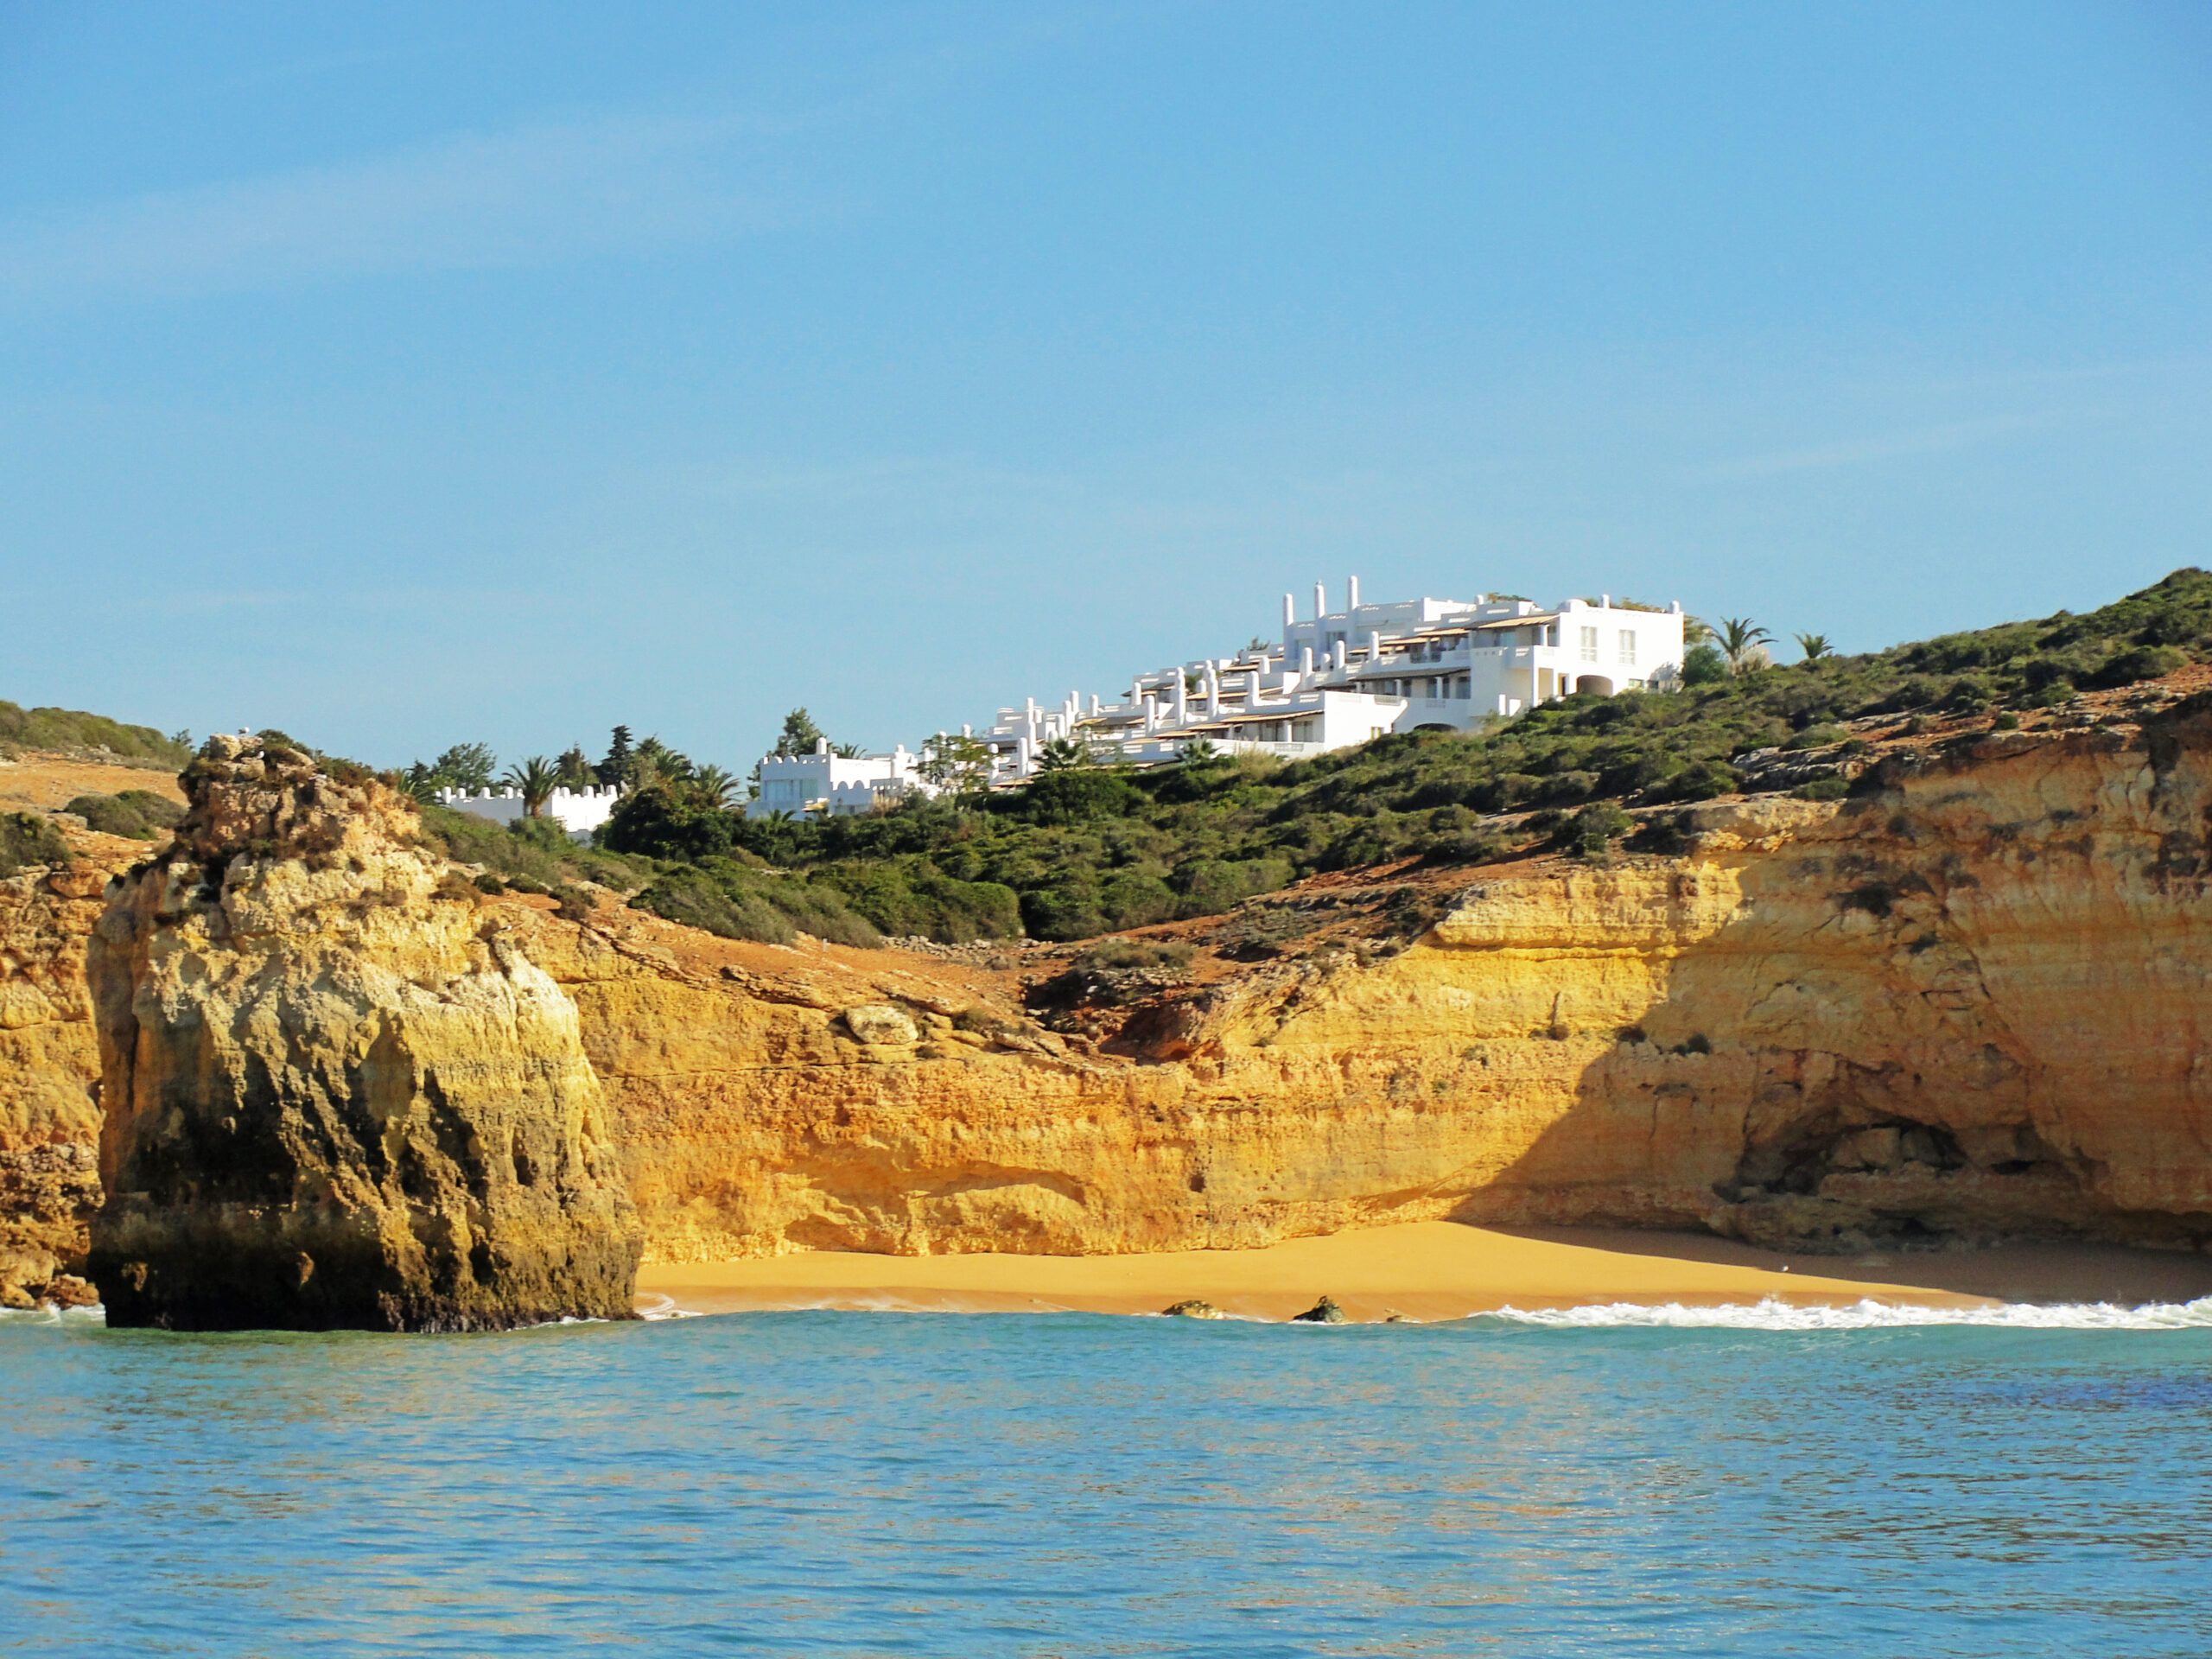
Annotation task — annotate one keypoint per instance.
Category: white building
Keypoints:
(578, 811)
(1341, 677)
(1334, 679)
(824, 784)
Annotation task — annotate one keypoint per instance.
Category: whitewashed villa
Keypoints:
(836, 784)
(1334, 679)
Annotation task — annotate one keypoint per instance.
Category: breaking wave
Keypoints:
(47, 1313)
(1868, 1316)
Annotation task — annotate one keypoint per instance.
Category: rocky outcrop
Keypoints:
(336, 1092)
(1969, 1001)
(49, 1063)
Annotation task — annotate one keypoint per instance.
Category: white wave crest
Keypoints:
(1868, 1315)
(48, 1313)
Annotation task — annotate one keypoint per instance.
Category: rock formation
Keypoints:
(49, 1058)
(1974, 1001)
(336, 1093)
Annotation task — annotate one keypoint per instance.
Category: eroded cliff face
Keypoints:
(49, 1066)
(335, 1092)
(1970, 1002)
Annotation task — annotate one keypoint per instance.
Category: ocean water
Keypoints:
(1740, 1481)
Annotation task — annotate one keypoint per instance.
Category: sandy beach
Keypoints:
(1428, 1270)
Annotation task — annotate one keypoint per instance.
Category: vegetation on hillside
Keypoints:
(1083, 849)
(69, 731)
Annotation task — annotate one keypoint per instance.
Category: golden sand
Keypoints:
(1425, 1270)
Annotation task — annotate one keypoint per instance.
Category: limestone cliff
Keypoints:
(1969, 1001)
(334, 1093)
(49, 1061)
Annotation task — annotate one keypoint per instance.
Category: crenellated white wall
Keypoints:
(578, 811)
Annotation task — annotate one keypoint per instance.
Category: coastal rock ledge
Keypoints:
(336, 1093)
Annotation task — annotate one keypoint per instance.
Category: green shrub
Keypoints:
(1209, 886)
(1592, 831)
(1704, 665)
(739, 903)
(910, 896)
(1078, 795)
(28, 840)
(656, 823)
(138, 813)
(1823, 789)
(2137, 663)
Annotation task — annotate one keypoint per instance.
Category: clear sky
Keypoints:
(411, 374)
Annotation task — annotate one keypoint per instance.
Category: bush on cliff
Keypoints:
(28, 841)
(739, 902)
(138, 813)
(535, 849)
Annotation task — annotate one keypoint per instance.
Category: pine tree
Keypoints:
(615, 769)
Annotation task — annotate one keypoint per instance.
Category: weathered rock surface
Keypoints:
(49, 1063)
(335, 1092)
(1973, 1002)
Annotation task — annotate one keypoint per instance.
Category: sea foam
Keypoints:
(1867, 1315)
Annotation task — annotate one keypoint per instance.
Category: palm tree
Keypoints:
(1199, 752)
(1695, 631)
(534, 779)
(714, 785)
(1740, 639)
(1062, 754)
(1815, 646)
(846, 751)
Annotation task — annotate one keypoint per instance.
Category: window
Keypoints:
(1589, 645)
(1628, 647)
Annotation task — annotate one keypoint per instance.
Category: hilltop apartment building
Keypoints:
(1333, 679)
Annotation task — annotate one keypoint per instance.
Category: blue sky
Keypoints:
(408, 374)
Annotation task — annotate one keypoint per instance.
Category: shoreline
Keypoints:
(1429, 1270)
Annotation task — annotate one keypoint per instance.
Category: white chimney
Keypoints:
(1338, 657)
(1321, 600)
(1289, 610)
(1374, 645)
(1351, 592)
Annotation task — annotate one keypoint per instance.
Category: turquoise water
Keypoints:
(872, 1484)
